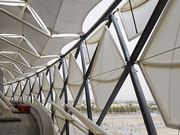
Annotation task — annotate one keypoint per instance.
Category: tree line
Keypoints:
(125, 108)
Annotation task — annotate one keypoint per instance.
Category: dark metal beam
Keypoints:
(113, 96)
(7, 90)
(148, 29)
(20, 90)
(132, 13)
(50, 93)
(15, 90)
(82, 85)
(65, 92)
(135, 80)
(86, 85)
(24, 88)
(87, 89)
(29, 88)
(40, 88)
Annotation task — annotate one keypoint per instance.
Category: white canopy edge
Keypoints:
(58, 81)
(141, 14)
(71, 119)
(96, 34)
(45, 86)
(9, 92)
(35, 88)
(40, 105)
(18, 90)
(106, 70)
(27, 88)
(75, 78)
(95, 129)
(4, 109)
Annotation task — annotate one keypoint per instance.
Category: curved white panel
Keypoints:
(45, 86)
(9, 92)
(58, 81)
(75, 78)
(17, 92)
(106, 70)
(35, 89)
(160, 64)
(142, 10)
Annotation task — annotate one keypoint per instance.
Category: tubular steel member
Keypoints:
(135, 80)
(29, 88)
(83, 84)
(15, 90)
(87, 89)
(50, 93)
(40, 88)
(147, 31)
(24, 89)
(59, 66)
(86, 85)
(113, 96)
(65, 92)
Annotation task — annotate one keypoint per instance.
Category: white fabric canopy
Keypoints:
(161, 65)
(35, 88)
(75, 78)
(142, 10)
(106, 70)
(95, 36)
(26, 91)
(17, 92)
(58, 81)
(45, 86)
(9, 92)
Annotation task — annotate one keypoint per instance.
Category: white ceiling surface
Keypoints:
(32, 29)
(160, 64)
(142, 10)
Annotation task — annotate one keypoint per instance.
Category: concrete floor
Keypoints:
(27, 126)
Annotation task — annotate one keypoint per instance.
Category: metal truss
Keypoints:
(128, 69)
